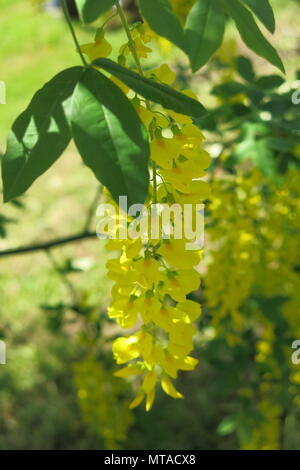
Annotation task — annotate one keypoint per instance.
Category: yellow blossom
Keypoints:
(94, 50)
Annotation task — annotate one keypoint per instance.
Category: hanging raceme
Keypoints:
(153, 275)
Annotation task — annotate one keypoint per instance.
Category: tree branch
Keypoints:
(47, 245)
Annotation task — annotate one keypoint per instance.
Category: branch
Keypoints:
(48, 245)
(92, 209)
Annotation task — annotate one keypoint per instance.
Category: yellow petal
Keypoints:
(193, 309)
(150, 400)
(137, 401)
(169, 388)
(149, 381)
(128, 371)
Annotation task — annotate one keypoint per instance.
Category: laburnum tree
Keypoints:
(140, 137)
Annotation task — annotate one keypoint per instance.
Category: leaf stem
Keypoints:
(69, 22)
(131, 43)
(154, 182)
(132, 48)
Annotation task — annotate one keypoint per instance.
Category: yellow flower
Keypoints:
(148, 306)
(146, 272)
(125, 311)
(181, 339)
(163, 318)
(191, 308)
(196, 191)
(175, 253)
(179, 283)
(129, 371)
(121, 272)
(147, 116)
(130, 347)
(181, 118)
(171, 365)
(94, 50)
(190, 134)
(137, 401)
(154, 275)
(126, 349)
(181, 176)
(149, 382)
(163, 151)
(163, 74)
(150, 400)
(141, 49)
(169, 388)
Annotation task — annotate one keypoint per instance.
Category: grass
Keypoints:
(34, 47)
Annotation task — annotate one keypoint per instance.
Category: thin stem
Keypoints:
(47, 245)
(131, 43)
(108, 19)
(154, 182)
(132, 47)
(92, 209)
(69, 22)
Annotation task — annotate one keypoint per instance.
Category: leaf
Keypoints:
(3, 222)
(227, 426)
(162, 19)
(90, 10)
(254, 146)
(204, 31)
(110, 137)
(269, 82)
(245, 68)
(152, 90)
(263, 10)
(39, 135)
(251, 34)
(228, 89)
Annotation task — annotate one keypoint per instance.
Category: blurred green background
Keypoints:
(57, 390)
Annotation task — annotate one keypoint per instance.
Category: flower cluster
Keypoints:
(254, 253)
(153, 274)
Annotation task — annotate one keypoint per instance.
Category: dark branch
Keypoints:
(48, 245)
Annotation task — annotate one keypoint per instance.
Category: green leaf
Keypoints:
(90, 10)
(152, 90)
(227, 426)
(228, 89)
(251, 34)
(245, 68)
(110, 137)
(204, 31)
(39, 135)
(269, 82)
(263, 10)
(254, 146)
(162, 19)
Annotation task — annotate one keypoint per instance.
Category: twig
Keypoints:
(48, 245)
(92, 209)
(69, 22)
